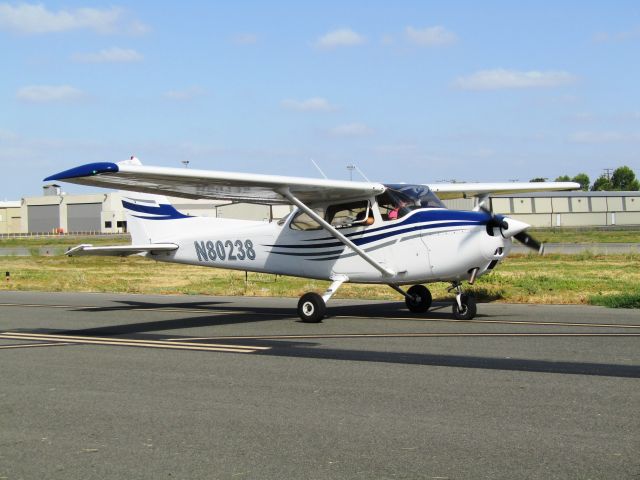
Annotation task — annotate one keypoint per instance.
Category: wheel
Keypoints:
(311, 308)
(420, 300)
(468, 310)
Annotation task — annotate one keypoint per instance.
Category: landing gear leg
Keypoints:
(313, 307)
(417, 298)
(464, 307)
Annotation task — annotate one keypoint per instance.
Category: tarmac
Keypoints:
(138, 386)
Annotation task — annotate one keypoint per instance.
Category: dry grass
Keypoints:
(525, 279)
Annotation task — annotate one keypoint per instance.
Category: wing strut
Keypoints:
(329, 228)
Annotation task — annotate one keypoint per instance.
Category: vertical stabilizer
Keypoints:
(144, 213)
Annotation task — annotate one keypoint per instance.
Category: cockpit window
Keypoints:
(400, 199)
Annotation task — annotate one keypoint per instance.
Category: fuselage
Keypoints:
(425, 245)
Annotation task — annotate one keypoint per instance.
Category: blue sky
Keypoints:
(407, 91)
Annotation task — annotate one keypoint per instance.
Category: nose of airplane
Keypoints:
(513, 227)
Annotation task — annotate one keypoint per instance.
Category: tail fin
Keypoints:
(146, 216)
(144, 210)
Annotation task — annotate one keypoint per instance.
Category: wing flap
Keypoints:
(120, 250)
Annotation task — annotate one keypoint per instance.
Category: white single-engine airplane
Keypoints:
(343, 231)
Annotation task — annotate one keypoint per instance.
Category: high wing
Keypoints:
(465, 190)
(208, 184)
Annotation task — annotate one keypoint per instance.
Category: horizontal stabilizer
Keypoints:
(121, 250)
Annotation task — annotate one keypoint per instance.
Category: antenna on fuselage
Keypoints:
(319, 169)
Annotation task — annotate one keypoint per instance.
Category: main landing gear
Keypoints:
(312, 307)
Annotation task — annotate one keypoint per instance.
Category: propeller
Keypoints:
(528, 241)
(499, 221)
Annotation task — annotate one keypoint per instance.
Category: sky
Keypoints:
(407, 91)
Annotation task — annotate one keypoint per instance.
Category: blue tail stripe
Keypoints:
(162, 211)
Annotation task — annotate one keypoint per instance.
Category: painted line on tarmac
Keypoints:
(134, 343)
(32, 345)
(407, 335)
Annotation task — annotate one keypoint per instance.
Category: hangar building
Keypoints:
(57, 212)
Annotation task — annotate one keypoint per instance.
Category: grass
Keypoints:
(622, 300)
(553, 235)
(611, 280)
(63, 241)
(578, 235)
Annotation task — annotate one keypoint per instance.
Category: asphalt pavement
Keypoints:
(96, 386)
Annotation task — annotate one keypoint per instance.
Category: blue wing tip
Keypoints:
(88, 170)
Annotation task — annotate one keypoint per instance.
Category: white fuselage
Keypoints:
(427, 245)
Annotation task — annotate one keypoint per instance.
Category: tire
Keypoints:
(423, 301)
(468, 311)
(311, 308)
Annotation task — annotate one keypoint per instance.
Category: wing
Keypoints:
(463, 190)
(208, 184)
(120, 250)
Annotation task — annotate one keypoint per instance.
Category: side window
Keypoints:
(302, 221)
(350, 214)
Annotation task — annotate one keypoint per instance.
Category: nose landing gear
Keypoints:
(464, 308)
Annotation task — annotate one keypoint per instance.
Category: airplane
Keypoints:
(343, 231)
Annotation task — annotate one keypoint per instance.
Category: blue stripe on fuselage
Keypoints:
(447, 218)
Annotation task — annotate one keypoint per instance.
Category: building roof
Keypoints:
(11, 204)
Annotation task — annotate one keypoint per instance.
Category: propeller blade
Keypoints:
(528, 241)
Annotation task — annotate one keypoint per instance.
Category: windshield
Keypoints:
(416, 196)
(399, 199)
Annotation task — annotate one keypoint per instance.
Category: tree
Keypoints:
(623, 178)
(538, 179)
(583, 180)
(563, 178)
(601, 183)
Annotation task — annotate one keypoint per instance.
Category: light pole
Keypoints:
(185, 163)
(351, 167)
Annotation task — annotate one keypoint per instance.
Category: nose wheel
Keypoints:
(464, 308)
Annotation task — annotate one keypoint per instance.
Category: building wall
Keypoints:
(10, 218)
(66, 212)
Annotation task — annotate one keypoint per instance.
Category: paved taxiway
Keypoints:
(132, 386)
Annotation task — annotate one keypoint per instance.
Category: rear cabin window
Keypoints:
(340, 216)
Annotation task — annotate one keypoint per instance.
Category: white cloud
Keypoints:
(605, 37)
(604, 137)
(313, 104)
(36, 19)
(344, 37)
(501, 79)
(109, 55)
(7, 135)
(49, 93)
(430, 36)
(186, 94)
(245, 39)
(351, 130)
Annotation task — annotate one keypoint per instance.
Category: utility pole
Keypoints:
(607, 172)
(351, 167)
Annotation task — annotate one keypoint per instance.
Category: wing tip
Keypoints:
(88, 170)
